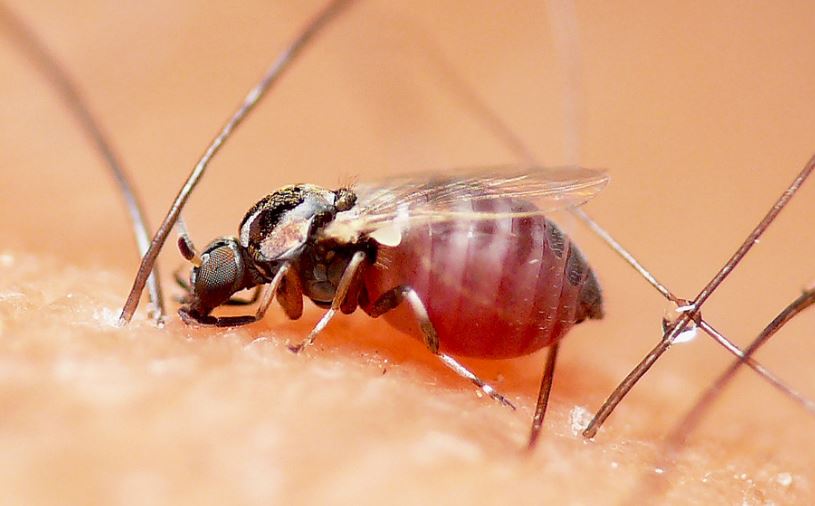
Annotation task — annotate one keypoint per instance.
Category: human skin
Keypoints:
(702, 119)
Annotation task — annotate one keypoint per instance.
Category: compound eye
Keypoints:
(218, 276)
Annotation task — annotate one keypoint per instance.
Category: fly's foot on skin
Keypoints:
(487, 389)
(296, 348)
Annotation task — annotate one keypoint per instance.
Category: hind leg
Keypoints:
(392, 298)
(543, 395)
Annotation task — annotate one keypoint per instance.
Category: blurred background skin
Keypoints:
(702, 111)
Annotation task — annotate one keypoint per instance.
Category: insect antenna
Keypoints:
(289, 54)
(495, 124)
(47, 64)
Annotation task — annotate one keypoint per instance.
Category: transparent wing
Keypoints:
(421, 199)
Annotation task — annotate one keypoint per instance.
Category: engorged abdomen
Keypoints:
(492, 288)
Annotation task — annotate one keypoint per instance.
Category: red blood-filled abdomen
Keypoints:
(493, 288)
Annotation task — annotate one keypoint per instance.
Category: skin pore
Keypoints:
(696, 144)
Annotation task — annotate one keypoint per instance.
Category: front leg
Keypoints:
(290, 295)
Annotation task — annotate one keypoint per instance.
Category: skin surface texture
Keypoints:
(703, 114)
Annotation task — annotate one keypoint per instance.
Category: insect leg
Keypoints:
(290, 295)
(181, 281)
(184, 284)
(392, 298)
(347, 281)
(462, 371)
(543, 395)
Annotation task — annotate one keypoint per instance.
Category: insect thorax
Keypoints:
(285, 226)
(320, 267)
(280, 224)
